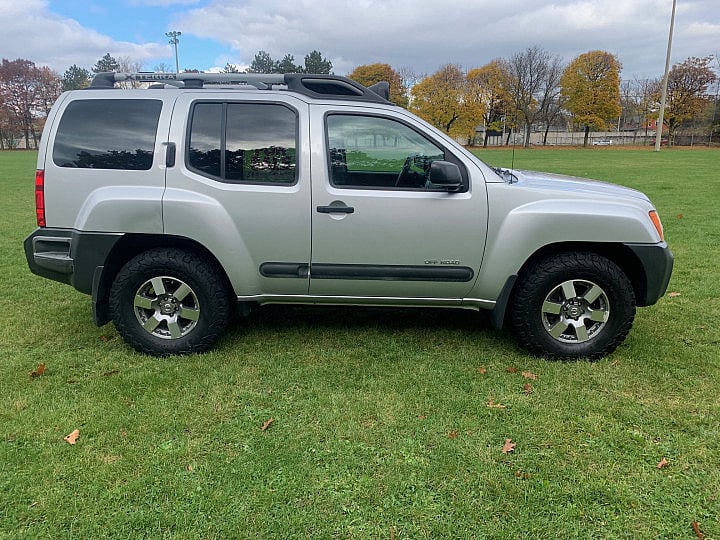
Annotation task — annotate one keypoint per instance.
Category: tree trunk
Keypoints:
(546, 134)
(507, 141)
(485, 139)
(527, 136)
(587, 136)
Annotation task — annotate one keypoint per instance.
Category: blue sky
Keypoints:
(419, 35)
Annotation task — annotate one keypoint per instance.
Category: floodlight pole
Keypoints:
(663, 95)
(174, 41)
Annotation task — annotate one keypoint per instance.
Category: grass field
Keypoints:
(381, 425)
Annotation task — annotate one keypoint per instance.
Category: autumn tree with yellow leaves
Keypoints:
(443, 99)
(490, 84)
(591, 87)
(369, 74)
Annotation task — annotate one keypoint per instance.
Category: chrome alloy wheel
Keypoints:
(575, 311)
(166, 307)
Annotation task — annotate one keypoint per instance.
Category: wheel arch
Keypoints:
(618, 253)
(129, 246)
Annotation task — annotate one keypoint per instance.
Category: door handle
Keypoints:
(336, 207)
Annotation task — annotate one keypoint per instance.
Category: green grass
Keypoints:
(381, 425)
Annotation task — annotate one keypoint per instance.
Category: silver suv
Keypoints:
(176, 204)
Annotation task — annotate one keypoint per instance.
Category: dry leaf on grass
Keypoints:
(492, 405)
(453, 434)
(696, 529)
(527, 388)
(662, 463)
(512, 370)
(509, 446)
(70, 439)
(673, 294)
(679, 216)
(266, 424)
(482, 370)
(39, 371)
(529, 375)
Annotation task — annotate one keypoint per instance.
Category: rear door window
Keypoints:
(244, 142)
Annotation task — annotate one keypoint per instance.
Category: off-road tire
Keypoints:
(546, 287)
(205, 301)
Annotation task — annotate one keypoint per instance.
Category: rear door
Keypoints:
(240, 187)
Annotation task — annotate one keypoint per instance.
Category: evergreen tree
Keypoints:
(75, 78)
(263, 63)
(105, 64)
(287, 65)
(316, 63)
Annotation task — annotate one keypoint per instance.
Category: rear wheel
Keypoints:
(169, 301)
(573, 305)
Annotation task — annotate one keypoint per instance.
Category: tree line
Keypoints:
(535, 90)
(530, 90)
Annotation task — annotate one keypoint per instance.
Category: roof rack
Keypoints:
(312, 85)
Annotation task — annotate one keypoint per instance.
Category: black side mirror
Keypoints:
(445, 175)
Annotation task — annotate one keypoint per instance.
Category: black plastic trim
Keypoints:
(497, 317)
(657, 263)
(457, 274)
(284, 270)
(76, 263)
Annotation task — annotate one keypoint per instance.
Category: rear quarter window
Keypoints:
(107, 134)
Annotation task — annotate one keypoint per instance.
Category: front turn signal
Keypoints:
(655, 218)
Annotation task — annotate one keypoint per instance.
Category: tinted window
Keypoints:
(107, 134)
(244, 142)
(378, 153)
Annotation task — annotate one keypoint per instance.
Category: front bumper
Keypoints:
(657, 264)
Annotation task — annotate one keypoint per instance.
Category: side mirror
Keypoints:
(445, 175)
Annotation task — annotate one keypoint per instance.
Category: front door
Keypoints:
(379, 229)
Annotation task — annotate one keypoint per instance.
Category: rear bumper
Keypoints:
(68, 256)
(657, 264)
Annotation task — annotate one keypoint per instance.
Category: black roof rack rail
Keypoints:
(312, 85)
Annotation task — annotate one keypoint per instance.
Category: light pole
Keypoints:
(663, 94)
(174, 35)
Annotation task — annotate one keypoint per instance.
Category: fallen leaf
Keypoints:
(453, 434)
(509, 446)
(492, 405)
(482, 370)
(529, 375)
(696, 528)
(70, 439)
(615, 363)
(679, 216)
(674, 294)
(392, 533)
(112, 372)
(523, 475)
(527, 388)
(39, 371)
(512, 370)
(421, 417)
(266, 424)
(662, 463)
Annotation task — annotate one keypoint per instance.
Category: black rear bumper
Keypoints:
(68, 256)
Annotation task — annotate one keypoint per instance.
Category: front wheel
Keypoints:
(573, 305)
(169, 301)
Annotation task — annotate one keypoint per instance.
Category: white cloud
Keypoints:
(424, 34)
(31, 31)
(163, 3)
